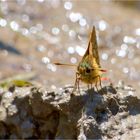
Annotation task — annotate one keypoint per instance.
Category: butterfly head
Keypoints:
(87, 65)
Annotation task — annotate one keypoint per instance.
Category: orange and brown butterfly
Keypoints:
(89, 69)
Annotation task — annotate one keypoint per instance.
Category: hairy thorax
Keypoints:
(88, 70)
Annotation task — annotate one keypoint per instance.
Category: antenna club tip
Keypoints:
(103, 70)
(56, 63)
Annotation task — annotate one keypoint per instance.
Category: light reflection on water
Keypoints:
(59, 30)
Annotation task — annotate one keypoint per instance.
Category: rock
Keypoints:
(34, 112)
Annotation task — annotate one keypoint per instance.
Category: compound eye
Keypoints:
(88, 70)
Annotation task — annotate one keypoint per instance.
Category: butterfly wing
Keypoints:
(93, 47)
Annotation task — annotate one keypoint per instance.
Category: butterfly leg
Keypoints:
(88, 87)
(91, 86)
(102, 90)
(100, 82)
(96, 82)
(76, 85)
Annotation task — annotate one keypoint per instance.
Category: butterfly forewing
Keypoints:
(93, 47)
(93, 42)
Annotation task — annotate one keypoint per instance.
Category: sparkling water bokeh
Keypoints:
(35, 34)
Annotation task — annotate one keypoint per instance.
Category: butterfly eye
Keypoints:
(88, 70)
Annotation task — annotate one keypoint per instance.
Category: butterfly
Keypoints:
(89, 69)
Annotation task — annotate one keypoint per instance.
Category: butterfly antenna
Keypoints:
(62, 64)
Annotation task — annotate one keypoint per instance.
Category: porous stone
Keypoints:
(34, 112)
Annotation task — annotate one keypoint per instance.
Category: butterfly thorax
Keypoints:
(88, 70)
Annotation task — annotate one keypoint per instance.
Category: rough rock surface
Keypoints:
(33, 112)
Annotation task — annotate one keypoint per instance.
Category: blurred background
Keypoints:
(36, 33)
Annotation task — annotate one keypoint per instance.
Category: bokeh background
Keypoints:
(36, 33)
